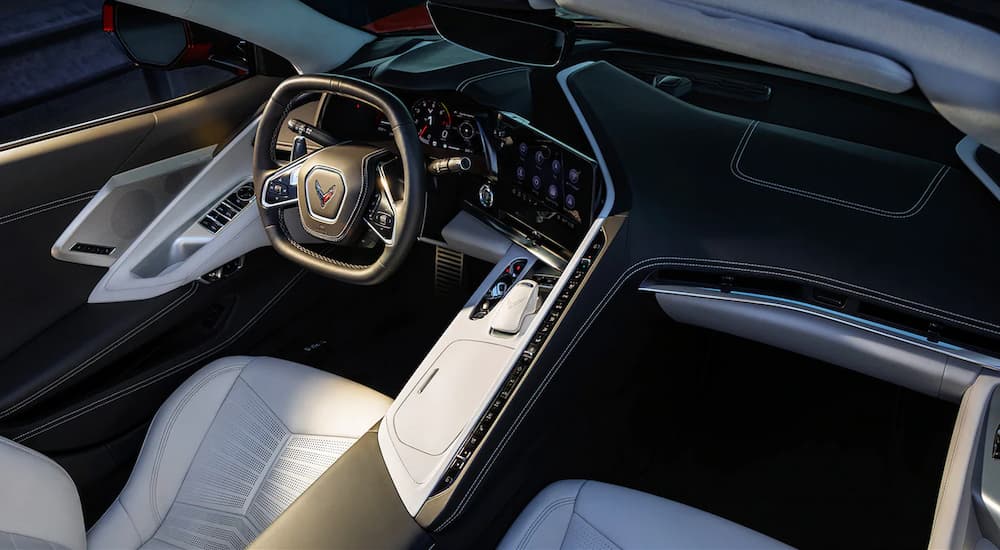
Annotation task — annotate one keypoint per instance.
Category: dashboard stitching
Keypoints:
(45, 207)
(99, 355)
(472, 79)
(648, 263)
(159, 375)
(734, 168)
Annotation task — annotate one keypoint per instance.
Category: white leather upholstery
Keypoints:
(588, 514)
(39, 506)
(230, 450)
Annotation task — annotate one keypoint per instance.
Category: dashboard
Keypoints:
(521, 181)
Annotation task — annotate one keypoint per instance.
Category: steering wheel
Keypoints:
(344, 190)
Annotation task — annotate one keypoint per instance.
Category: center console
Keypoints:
(543, 196)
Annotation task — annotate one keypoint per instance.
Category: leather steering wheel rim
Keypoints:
(409, 209)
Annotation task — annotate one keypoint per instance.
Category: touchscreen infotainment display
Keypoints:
(544, 188)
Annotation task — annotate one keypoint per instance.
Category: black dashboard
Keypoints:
(521, 180)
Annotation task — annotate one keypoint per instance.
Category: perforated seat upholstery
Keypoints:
(578, 514)
(225, 455)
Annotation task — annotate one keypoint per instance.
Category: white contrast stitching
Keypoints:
(734, 168)
(648, 263)
(468, 81)
(542, 516)
(52, 205)
(56, 422)
(100, 354)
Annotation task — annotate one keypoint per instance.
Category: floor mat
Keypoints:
(376, 335)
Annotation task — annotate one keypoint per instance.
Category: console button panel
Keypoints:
(526, 359)
(499, 289)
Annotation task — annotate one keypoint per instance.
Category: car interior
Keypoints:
(500, 273)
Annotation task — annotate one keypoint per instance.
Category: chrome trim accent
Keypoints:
(384, 184)
(966, 150)
(834, 316)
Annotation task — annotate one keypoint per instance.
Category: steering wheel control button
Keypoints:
(279, 189)
(486, 196)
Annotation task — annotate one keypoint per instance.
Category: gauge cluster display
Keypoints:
(443, 127)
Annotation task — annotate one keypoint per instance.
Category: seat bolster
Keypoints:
(544, 522)
(40, 505)
(590, 514)
(633, 519)
(114, 530)
(311, 401)
(170, 446)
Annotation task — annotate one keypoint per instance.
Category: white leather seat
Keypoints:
(574, 514)
(230, 449)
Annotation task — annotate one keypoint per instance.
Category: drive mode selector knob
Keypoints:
(486, 196)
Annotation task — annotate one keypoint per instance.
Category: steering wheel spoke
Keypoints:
(383, 208)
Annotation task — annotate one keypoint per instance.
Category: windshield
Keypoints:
(368, 13)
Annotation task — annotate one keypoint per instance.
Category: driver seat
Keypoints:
(225, 455)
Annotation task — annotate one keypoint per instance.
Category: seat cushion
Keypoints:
(39, 506)
(231, 449)
(589, 514)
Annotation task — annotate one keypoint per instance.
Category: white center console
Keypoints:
(435, 411)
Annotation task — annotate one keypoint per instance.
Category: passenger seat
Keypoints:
(588, 514)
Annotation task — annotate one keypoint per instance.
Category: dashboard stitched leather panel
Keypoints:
(689, 203)
(839, 172)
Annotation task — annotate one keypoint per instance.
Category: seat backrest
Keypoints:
(39, 505)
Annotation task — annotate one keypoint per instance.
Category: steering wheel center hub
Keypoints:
(335, 187)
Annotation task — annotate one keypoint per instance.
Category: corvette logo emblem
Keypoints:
(324, 197)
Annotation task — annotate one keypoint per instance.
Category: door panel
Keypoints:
(54, 341)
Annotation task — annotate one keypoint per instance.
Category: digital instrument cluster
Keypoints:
(442, 127)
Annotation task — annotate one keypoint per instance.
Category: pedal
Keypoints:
(448, 265)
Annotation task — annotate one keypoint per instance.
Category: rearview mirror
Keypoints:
(515, 36)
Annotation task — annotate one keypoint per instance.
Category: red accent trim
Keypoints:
(108, 17)
(196, 53)
(411, 19)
